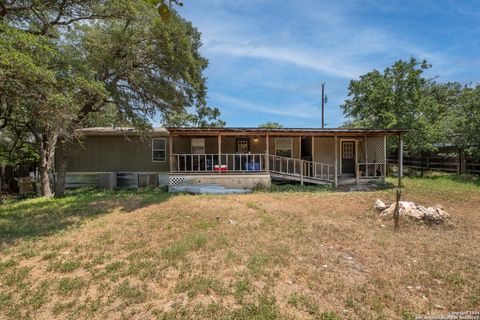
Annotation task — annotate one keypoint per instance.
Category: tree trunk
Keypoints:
(62, 152)
(45, 182)
(46, 149)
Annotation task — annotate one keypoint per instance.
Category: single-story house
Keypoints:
(232, 157)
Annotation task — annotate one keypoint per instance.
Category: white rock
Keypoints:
(379, 205)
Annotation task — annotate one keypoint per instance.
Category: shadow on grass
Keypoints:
(39, 217)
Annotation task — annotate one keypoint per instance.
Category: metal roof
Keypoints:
(109, 131)
(280, 131)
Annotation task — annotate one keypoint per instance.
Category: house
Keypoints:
(232, 157)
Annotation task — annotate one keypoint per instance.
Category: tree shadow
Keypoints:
(39, 217)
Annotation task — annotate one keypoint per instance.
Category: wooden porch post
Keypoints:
(170, 150)
(384, 157)
(313, 149)
(219, 153)
(400, 160)
(356, 160)
(267, 152)
(336, 161)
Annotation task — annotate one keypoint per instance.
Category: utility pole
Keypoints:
(323, 105)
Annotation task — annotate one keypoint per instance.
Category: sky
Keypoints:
(268, 58)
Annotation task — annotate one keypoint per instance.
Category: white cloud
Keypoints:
(297, 111)
(291, 55)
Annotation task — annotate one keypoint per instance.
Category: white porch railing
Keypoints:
(304, 168)
(229, 162)
(371, 170)
(251, 162)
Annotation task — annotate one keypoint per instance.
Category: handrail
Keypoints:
(302, 168)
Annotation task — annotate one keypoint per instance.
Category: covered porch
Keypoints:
(322, 156)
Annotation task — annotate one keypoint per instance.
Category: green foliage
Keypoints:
(271, 125)
(401, 97)
(392, 99)
(70, 64)
(202, 117)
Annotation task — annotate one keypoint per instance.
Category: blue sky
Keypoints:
(267, 59)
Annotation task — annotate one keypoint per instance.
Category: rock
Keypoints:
(414, 212)
(379, 205)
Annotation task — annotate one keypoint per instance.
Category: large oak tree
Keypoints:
(103, 55)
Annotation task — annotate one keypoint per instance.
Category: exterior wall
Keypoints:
(228, 181)
(324, 149)
(116, 154)
(296, 152)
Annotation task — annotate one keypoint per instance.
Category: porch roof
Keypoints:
(284, 131)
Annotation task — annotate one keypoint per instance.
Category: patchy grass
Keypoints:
(295, 253)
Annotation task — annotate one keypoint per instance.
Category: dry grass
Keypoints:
(312, 255)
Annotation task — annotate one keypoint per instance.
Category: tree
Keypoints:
(202, 118)
(127, 57)
(464, 125)
(271, 125)
(39, 92)
(400, 97)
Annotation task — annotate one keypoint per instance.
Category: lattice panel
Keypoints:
(375, 150)
(361, 151)
(176, 181)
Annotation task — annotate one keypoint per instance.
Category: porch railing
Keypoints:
(251, 162)
(371, 170)
(229, 162)
(303, 168)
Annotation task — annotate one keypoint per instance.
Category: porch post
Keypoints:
(400, 160)
(267, 152)
(356, 160)
(336, 161)
(219, 153)
(384, 157)
(313, 149)
(170, 150)
(300, 147)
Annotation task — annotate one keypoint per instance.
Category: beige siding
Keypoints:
(115, 153)
(324, 150)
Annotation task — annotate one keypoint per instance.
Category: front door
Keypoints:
(348, 157)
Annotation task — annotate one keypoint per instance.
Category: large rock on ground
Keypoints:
(413, 211)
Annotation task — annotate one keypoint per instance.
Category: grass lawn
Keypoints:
(305, 254)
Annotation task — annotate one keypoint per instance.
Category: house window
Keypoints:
(283, 147)
(243, 145)
(159, 150)
(198, 146)
(348, 150)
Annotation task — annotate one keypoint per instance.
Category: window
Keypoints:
(348, 150)
(283, 147)
(198, 145)
(243, 145)
(159, 150)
